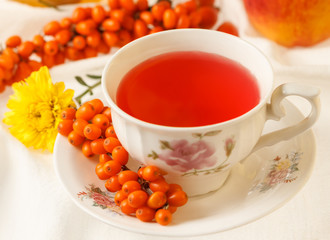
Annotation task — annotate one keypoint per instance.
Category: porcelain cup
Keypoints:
(200, 158)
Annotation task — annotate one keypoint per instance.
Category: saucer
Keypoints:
(257, 186)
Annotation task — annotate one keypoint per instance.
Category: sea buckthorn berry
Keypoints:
(64, 127)
(6, 62)
(120, 155)
(163, 217)
(159, 185)
(209, 16)
(147, 17)
(110, 132)
(112, 184)
(118, 14)
(35, 65)
(101, 121)
(131, 186)
(79, 125)
(177, 198)
(73, 54)
(93, 39)
(137, 198)
(97, 146)
(52, 28)
(190, 5)
(63, 36)
(103, 47)
(51, 47)
(172, 209)
(127, 175)
(102, 175)
(75, 139)
(88, 11)
(97, 104)
(151, 173)
(48, 60)
(180, 9)
(38, 42)
(86, 112)
(110, 38)
(13, 41)
(11, 54)
(145, 214)
(229, 28)
(78, 15)
(25, 49)
(111, 167)
(124, 37)
(183, 21)
(87, 149)
(113, 4)
(111, 24)
(126, 208)
(104, 158)
(110, 143)
(119, 197)
(79, 42)
(129, 5)
(157, 200)
(98, 13)
(66, 22)
(158, 10)
(173, 187)
(68, 113)
(140, 28)
(140, 172)
(195, 19)
(142, 5)
(90, 52)
(86, 27)
(156, 29)
(169, 19)
(205, 3)
(92, 132)
(128, 23)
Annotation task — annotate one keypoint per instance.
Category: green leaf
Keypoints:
(153, 155)
(197, 135)
(81, 81)
(94, 76)
(165, 145)
(212, 133)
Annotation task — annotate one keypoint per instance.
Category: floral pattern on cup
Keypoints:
(283, 170)
(102, 199)
(193, 158)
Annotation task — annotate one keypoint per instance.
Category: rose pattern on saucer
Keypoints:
(193, 158)
(283, 170)
(102, 199)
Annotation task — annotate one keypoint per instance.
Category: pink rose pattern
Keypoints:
(185, 156)
(193, 158)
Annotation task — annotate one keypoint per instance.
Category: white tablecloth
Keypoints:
(34, 205)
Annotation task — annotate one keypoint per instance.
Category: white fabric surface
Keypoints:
(34, 205)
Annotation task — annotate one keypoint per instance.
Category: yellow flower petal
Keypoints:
(35, 109)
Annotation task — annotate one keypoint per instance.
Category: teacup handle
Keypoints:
(275, 112)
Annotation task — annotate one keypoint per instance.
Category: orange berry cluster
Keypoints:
(144, 194)
(93, 30)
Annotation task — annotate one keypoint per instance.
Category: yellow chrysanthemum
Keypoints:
(35, 109)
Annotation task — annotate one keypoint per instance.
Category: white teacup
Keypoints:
(200, 158)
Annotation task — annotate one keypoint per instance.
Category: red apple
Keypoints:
(291, 22)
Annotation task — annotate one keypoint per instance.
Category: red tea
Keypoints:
(187, 89)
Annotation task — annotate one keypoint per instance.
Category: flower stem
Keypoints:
(89, 90)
